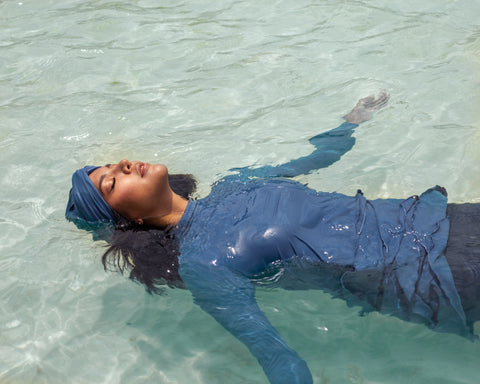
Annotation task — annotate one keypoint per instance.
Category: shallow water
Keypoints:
(205, 86)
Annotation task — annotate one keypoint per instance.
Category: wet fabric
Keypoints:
(463, 256)
(87, 208)
(387, 253)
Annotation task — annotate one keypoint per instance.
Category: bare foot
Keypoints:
(365, 107)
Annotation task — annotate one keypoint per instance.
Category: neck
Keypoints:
(169, 214)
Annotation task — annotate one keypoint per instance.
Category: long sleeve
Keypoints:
(329, 148)
(230, 299)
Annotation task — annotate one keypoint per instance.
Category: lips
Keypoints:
(142, 168)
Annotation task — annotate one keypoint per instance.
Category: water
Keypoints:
(205, 86)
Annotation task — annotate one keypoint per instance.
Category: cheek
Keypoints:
(133, 200)
(123, 200)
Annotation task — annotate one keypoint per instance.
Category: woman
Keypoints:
(257, 227)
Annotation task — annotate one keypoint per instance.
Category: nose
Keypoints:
(125, 166)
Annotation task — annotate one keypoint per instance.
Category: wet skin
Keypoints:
(139, 191)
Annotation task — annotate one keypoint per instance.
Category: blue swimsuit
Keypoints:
(255, 226)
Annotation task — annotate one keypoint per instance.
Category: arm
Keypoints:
(230, 299)
(329, 146)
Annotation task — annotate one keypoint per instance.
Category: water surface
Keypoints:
(205, 86)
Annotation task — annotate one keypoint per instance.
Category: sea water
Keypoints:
(204, 86)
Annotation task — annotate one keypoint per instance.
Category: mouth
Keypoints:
(142, 168)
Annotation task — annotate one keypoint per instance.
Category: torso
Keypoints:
(385, 252)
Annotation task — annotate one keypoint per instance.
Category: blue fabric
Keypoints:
(248, 231)
(329, 148)
(87, 208)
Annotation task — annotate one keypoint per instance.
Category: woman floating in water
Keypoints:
(410, 258)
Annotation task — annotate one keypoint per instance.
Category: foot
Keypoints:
(365, 108)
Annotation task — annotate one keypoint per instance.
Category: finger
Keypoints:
(384, 96)
(380, 102)
(384, 100)
(367, 100)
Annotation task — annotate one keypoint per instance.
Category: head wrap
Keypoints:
(87, 208)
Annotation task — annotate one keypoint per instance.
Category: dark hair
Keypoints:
(149, 254)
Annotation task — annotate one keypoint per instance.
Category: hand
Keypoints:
(365, 108)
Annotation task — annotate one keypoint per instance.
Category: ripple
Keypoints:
(90, 81)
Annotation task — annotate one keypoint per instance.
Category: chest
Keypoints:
(255, 229)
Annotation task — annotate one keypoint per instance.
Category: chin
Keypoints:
(159, 173)
(159, 169)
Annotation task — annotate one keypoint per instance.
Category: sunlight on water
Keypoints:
(203, 87)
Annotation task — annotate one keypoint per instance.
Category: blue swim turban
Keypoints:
(86, 208)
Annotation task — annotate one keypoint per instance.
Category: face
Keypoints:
(132, 188)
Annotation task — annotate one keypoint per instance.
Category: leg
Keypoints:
(463, 255)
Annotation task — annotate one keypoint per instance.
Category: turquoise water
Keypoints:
(204, 86)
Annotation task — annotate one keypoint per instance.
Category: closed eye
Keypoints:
(100, 182)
